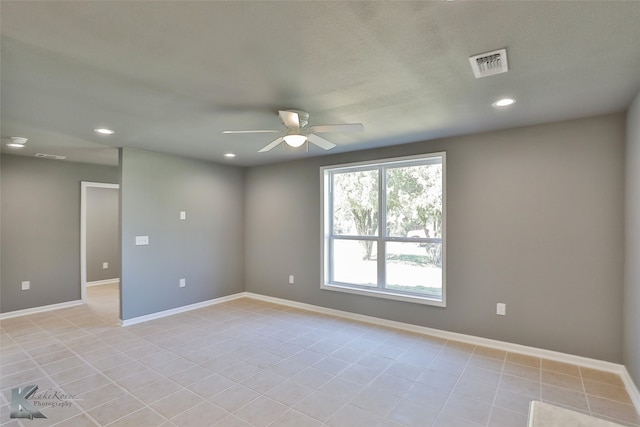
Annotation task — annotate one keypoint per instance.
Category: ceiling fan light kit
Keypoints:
(295, 140)
(297, 131)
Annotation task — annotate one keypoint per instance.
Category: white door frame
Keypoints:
(83, 231)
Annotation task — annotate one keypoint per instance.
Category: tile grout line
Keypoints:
(266, 314)
(39, 366)
(86, 362)
(495, 396)
(131, 393)
(86, 412)
(444, 405)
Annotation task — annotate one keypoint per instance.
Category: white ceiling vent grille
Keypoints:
(50, 156)
(489, 63)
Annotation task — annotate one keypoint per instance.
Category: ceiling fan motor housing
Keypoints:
(303, 117)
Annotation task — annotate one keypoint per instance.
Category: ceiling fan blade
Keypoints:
(351, 127)
(320, 142)
(271, 145)
(252, 131)
(289, 118)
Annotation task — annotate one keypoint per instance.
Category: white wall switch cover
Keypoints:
(183, 215)
(105, 265)
(26, 286)
(183, 283)
(142, 240)
(291, 281)
(501, 309)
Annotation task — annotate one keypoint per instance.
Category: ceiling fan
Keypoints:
(297, 131)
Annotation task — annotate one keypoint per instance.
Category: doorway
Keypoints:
(100, 248)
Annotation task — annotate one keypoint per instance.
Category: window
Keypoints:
(405, 259)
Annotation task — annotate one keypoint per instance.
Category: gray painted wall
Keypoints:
(103, 233)
(40, 229)
(535, 220)
(206, 249)
(632, 249)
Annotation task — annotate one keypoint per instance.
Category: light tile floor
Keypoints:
(251, 363)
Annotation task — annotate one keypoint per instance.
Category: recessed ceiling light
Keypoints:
(17, 142)
(50, 156)
(104, 131)
(230, 155)
(504, 102)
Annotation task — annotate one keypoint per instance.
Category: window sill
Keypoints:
(386, 295)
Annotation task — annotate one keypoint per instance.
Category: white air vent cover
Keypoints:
(489, 63)
(50, 156)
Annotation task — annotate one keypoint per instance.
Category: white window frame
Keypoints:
(326, 237)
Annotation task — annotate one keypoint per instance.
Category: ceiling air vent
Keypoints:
(50, 156)
(489, 63)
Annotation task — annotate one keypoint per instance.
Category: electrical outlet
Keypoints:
(183, 283)
(26, 285)
(291, 279)
(105, 265)
(501, 309)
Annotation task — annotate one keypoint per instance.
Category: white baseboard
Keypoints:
(41, 309)
(177, 310)
(104, 282)
(632, 389)
(485, 342)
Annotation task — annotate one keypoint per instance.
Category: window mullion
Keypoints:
(382, 227)
(329, 223)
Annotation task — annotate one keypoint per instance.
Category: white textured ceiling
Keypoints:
(171, 76)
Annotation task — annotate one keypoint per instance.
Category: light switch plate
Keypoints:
(26, 285)
(142, 240)
(183, 215)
